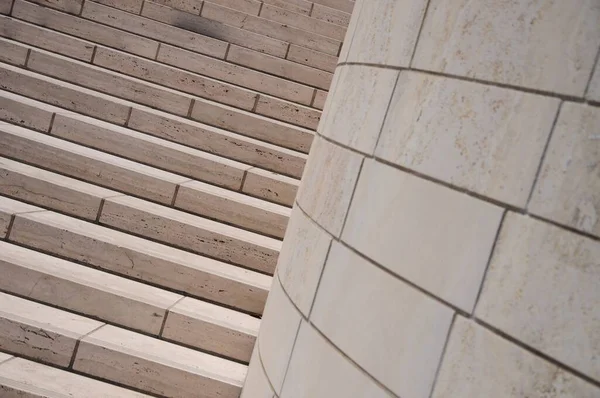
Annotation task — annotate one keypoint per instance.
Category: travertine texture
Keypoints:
(444, 242)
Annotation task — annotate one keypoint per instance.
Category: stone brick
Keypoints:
(256, 384)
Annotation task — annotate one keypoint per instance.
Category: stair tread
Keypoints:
(12, 53)
(8, 208)
(85, 290)
(265, 184)
(291, 18)
(27, 377)
(142, 260)
(117, 355)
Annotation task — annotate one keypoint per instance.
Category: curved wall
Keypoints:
(445, 241)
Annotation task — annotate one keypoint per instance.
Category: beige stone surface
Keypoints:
(133, 6)
(5, 6)
(312, 359)
(394, 212)
(568, 187)
(411, 328)
(10, 207)
(593, 91)
(341, 5)
(271, 186)
(40, 332)
(146, 27)
(252, 125)
(320, 98)
(542, 289)
(325, 197)
(63, 94)
(233, 208)
(352, 26)
(479, 363)
(303, 22)
(51, 190)
(212, 328)
(236, 74)
(143, 260)
(84, 29)
(288, 112)
(269, 28)
(279, 67)
(387, 32)
(191, 6)
(4, 357)
(175, 78)
(216, 29)
(191, 232)
(277, 334)
(331, 15)
(248, 6)
(25, 112)
(70, 6)
(47, 39)
(156, 366)
(316, 59)
(256, 384)
(11, 52)
(98, 294)
(485, 139)
(29, 380)
(302, 259)
(109, 82)
(514, 43)
(87, 164)
(217, 141)
(357, 124)
(298, 6)
(150, 150)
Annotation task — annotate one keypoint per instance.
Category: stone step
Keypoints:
(271, 186)
(50, 190)
(156, 366)
(22, 378)
(331, 15)
(270, 28)
(312, 58)
(113, 299)
(342, 5)
(10, 208)
(115, 110)
(13, 53)
(199, 235)
(304, 22)
(140, 259)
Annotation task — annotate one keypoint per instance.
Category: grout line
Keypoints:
(27, 58)
(312, 101)
(489, 262)
(175, 194)
(419, 33)
(12, 6)
(262, 365)
(312, 7)
(387, 111)
(255, 104)
(260, 7)
(241, 189)
(9, 228)
(226, 52)
(201, 8)
(51, 125)
(142, 8)
(314, 298)
(76, 348)
(287, 52)
(81, 9)
(164, 322)
(594, 68)
(100, 210)
(93, 54)
(189, 113)
(128, 117)
(543, 157)
(9, 359)
(157, 51)
(441, 360)
(360, 168)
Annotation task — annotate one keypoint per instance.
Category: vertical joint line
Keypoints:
(157, 51)
(192, 103)
(362, 163)
(587, 87)
(256, 103)
(93, 54)
(27, 58)
(312, 101)
(10, 226)
(164, 322)
(243, 180)
(142, 8)
(314, 299)
(312, 7)
(81, 9)
(128, 116)
(175, 195)
(227, 50)
(387, 110)
(419, 34)
(201, 8)
(260, 7)
(287, 51)
(12, 6)
(100, 211)
(76, 348)
(51, 125)
(439, 367)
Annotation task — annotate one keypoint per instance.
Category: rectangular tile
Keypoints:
(25, 112)
(303, 22)
(12, 53)
(313, 356)
(288, 112)
(348, 319)
(299, 6)
(256, 384)
(175, 78)
(190, 6)
(481, 364)
(425, 215)
(270, 28)
(216, 29)
(279, 67)
(316, 59)
(134, 6)
(541, 288)
(487, 140)
(193, 233)
(248, 6)
(99, 294)
(112, 83)
(70, 6)
(530, 54)
(47, 39)
(320, 99)
(5, 6)
(326, 196)
(142, 259)
(567, 190)
(155, 30)
(51, 190)
(271, 186)
(218, 69)
(10, 207)
(40, 332)
(156, 366)
(342, 5)
(84, 29)
(330, 15)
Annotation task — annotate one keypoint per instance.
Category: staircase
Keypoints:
(150, 152)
